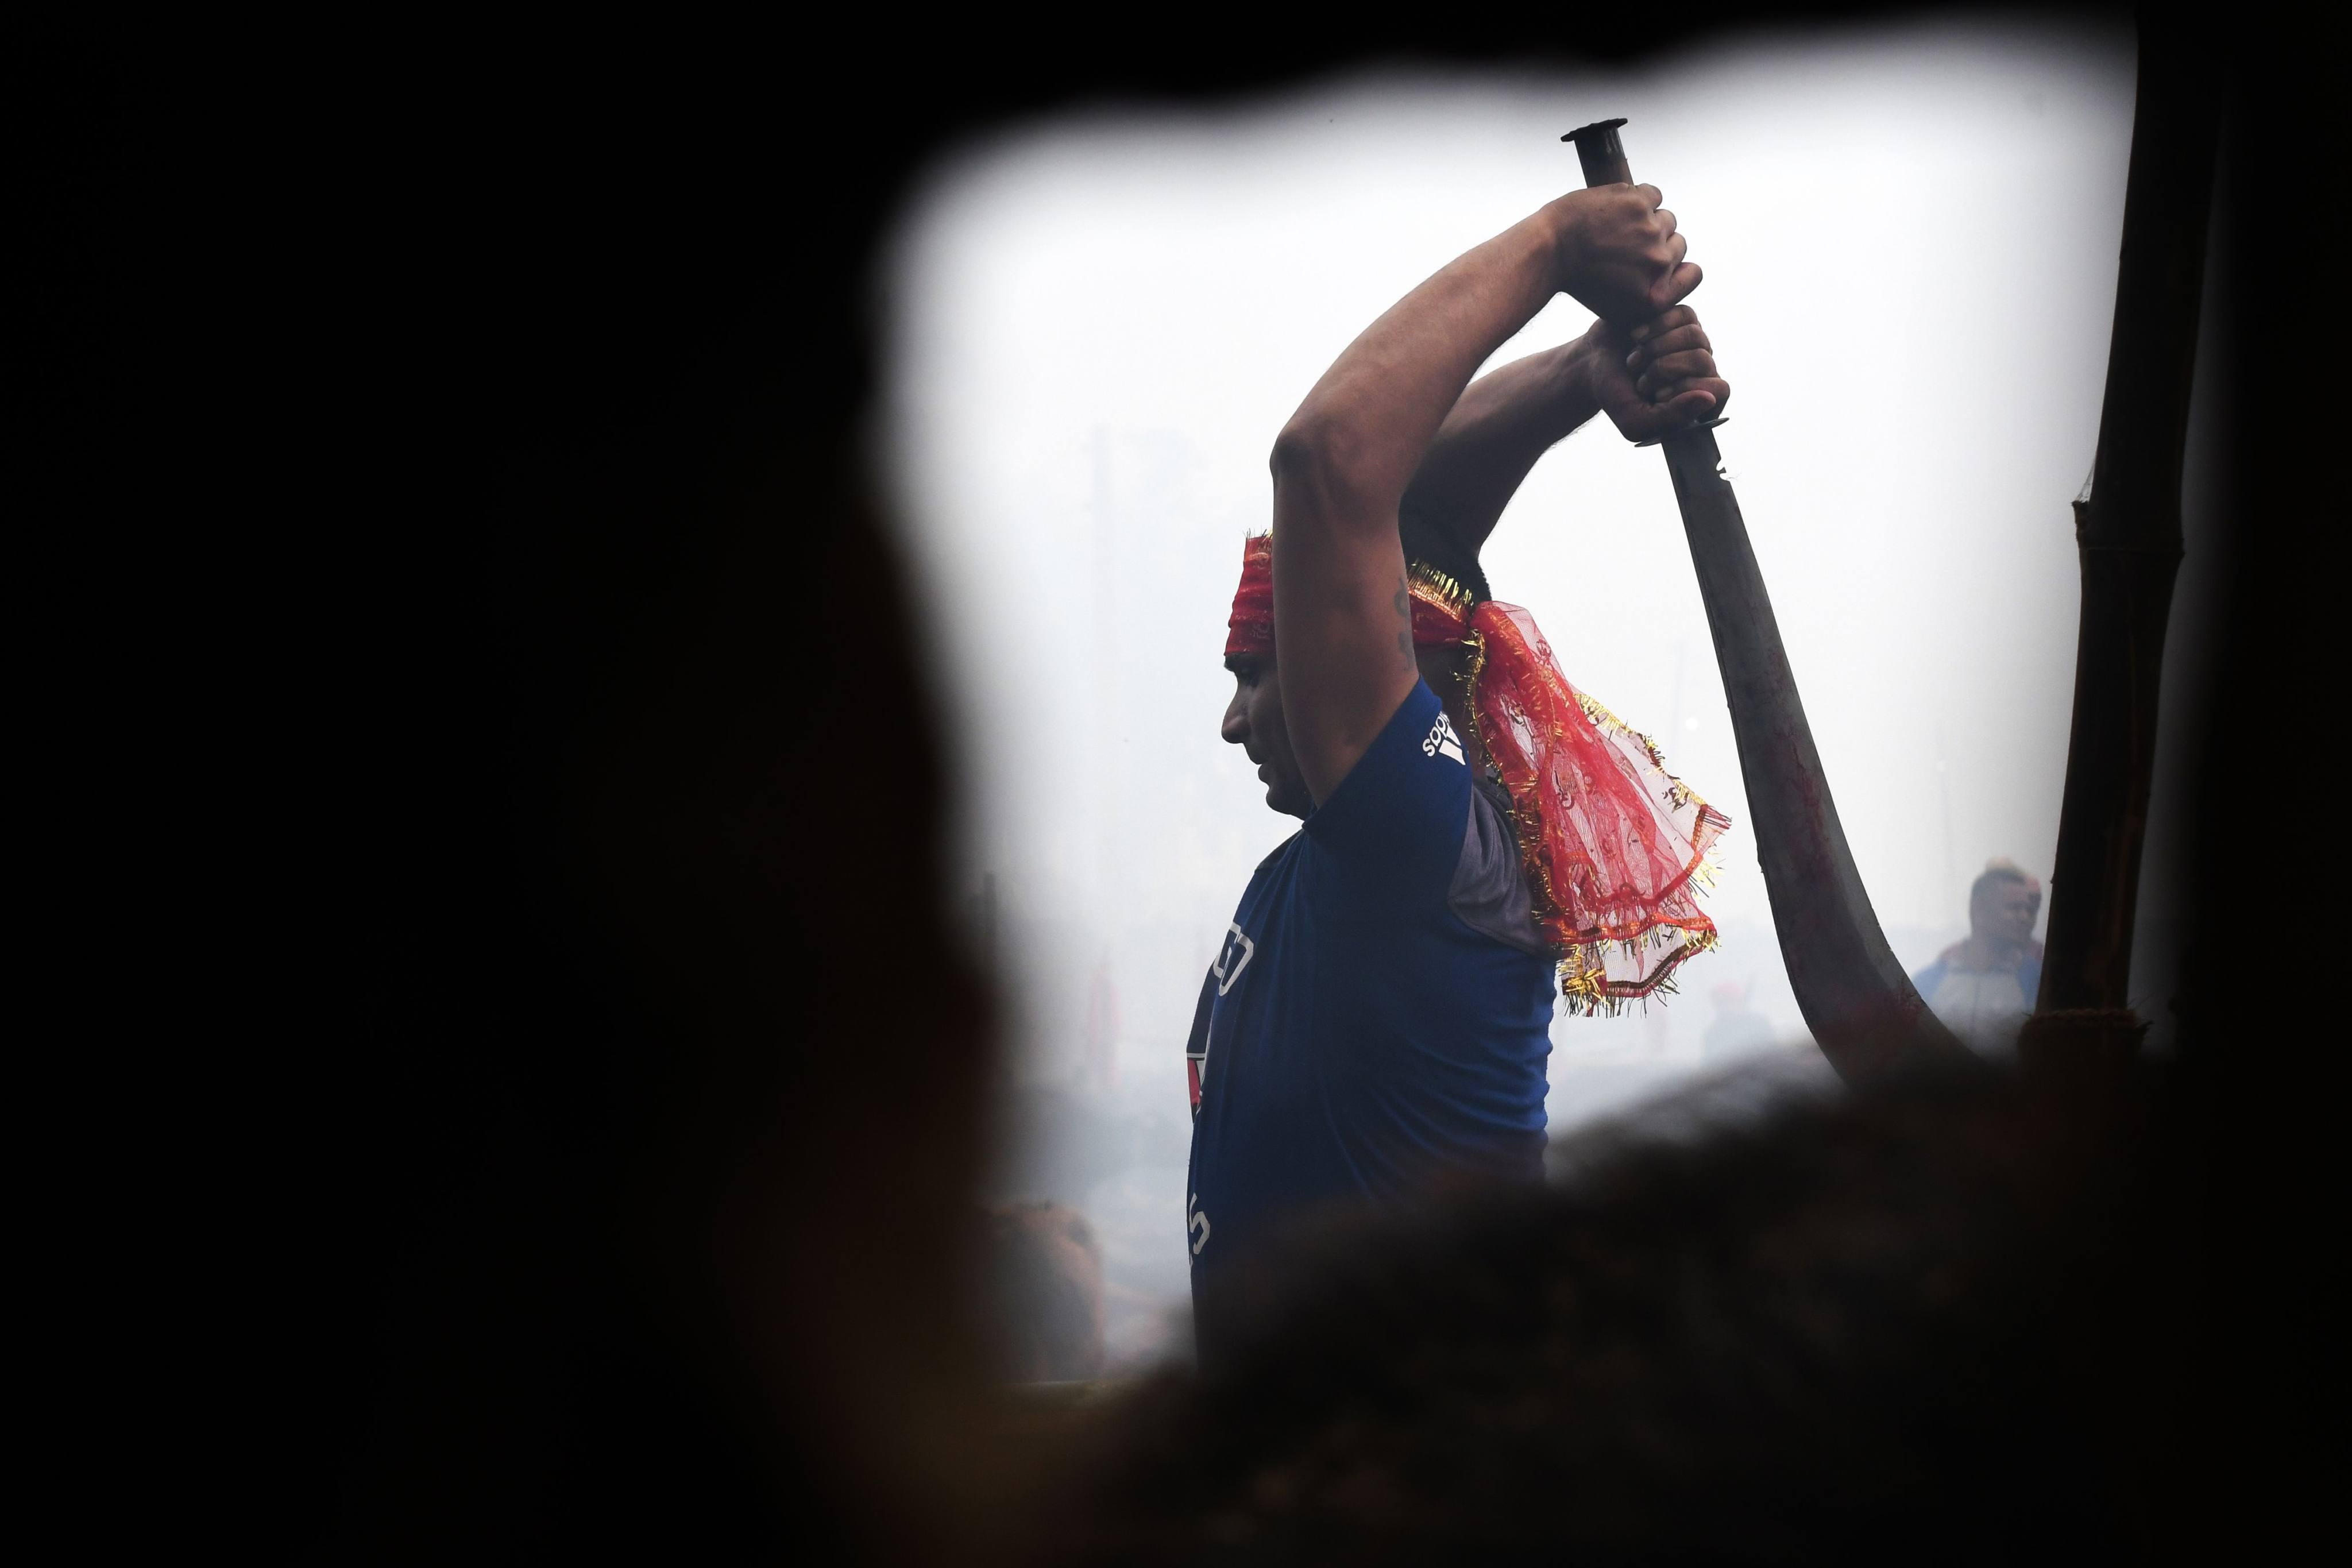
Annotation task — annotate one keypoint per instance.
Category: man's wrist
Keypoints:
(1576, 389)
(1564, 225)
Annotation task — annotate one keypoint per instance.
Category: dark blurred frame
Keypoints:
(616, 1072)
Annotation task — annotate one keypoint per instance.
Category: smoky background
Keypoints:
(1096, 323)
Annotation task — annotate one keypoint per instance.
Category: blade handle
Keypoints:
(1603, 155)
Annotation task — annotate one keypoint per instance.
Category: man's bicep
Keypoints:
(1343, 629)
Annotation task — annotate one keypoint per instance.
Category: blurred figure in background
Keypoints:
(1984, 988)
(1042, 1294)
(1102, 1030)
(1738, 1029)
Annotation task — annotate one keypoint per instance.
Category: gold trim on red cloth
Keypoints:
(1616, 848)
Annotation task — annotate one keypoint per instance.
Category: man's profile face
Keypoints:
(1254, 722)
(2006, 912)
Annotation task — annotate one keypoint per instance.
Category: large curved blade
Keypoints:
(1860, 1006)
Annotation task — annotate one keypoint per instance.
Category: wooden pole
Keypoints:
(2128, 529)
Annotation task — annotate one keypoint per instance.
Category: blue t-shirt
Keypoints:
(1985, 1009)
(1380, 1011)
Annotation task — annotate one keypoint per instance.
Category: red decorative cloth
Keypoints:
(1615, 847)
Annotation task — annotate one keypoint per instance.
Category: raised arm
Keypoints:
(1343, 624)
(1652, 379)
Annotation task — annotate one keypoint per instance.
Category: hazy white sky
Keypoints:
(1097, 322)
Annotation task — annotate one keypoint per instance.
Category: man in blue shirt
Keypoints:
(1377, 1018)
(1984, 988)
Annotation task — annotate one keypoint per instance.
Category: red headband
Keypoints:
(1615, 847)
(1250, 629)
(1441, 606)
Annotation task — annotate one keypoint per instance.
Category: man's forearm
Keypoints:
(1366, 425)
(1342, 619)
(1497, 430)
(1342, 613)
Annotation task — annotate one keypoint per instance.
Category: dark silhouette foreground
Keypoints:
(1950, 1318)
(618, 1079)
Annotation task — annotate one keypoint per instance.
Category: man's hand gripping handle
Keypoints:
(1602, 154)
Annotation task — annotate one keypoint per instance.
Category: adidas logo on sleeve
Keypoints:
(1442, 742)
